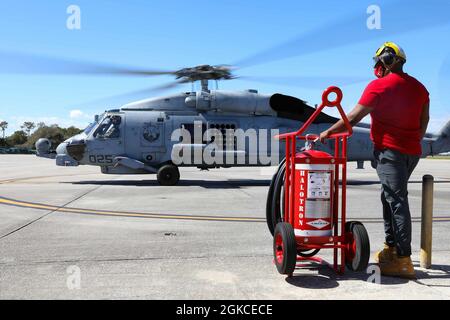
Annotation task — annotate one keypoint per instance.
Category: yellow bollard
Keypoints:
(427, 221)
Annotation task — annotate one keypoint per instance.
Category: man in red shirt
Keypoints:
(399, 108)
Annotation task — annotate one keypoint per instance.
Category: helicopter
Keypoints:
(138, 138)
(211, 128)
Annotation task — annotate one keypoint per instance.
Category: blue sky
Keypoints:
(322, 38)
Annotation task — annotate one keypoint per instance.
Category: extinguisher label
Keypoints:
(319, 223)
(313, 190)
(301, 192)
(319, 184)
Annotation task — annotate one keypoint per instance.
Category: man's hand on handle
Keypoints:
(324, 135)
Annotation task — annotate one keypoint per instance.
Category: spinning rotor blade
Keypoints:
(353, 29)
(22, 63)
(128, 96)
(308, 81)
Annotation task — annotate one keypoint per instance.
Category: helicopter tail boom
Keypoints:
(442, 143)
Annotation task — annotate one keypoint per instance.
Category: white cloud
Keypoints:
(76, 114)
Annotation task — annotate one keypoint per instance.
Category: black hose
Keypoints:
(274, 201)
(273, 211)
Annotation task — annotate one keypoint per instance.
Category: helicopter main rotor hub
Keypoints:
(204, 72)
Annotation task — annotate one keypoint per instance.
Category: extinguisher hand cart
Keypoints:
(312, 217)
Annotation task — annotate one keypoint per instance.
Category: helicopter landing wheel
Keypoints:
(168, 175)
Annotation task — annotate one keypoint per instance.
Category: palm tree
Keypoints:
(28, 126)
(3, 126)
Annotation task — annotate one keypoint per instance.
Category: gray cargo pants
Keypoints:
(394, 169)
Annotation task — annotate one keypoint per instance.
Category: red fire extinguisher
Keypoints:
(314, 193)
(311, 213)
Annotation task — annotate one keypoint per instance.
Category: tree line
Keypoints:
(31, 132)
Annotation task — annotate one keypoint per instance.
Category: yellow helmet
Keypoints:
(388, 55)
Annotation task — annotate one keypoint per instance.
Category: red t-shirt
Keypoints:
(397, 101)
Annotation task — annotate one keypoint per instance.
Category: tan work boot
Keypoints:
(399, 267)
(385, 255)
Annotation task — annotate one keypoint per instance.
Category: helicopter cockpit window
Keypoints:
(89, 128)
(109, 128)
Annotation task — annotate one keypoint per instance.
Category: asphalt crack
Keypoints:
(48, 213)
(18, 263)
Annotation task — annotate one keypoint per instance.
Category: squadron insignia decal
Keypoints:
(150, 132)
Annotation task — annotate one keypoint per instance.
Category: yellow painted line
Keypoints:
(41, 177)
(124, 213)
(40, 206)
(441, 219)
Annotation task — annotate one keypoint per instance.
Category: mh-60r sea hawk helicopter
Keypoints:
(138, 138)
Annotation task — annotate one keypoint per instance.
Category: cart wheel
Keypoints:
(284, 248)
(358, 250)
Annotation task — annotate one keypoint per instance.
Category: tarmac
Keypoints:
(74, 233)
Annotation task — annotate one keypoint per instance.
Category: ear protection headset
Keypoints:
(386, 56)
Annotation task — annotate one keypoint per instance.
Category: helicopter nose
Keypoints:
(70, 152)
(61, 148)
(76, 148)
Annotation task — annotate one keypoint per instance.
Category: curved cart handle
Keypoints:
(325, 103)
